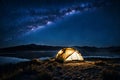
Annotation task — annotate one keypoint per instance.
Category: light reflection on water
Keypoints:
(28, 55)
(6, 60)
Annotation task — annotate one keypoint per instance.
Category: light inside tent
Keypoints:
(69, 54)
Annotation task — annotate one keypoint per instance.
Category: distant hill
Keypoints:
(34, 47)
(30, 47)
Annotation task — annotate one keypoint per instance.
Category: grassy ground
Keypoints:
(52, 70)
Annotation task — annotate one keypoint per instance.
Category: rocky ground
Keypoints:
(52, 70)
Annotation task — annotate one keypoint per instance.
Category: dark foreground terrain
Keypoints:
(96, 69)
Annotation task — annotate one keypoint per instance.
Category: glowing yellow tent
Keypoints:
(69, 54)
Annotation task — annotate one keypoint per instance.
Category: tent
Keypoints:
(69, 54)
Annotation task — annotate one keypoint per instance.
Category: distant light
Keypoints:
(82, 5)
(36, 28)
(69, 13)
(72, 12)
(39, 27)
(33, 28)
(49, 22)
(66, 14)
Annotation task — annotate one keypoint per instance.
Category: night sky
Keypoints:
(60, 22)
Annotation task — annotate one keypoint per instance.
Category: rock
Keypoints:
(36, 60)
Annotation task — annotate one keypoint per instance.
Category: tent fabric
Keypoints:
(69, 54)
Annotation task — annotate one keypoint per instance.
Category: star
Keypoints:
(36, 19)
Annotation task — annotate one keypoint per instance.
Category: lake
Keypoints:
(29, 55)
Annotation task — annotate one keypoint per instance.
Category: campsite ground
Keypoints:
(95, 69)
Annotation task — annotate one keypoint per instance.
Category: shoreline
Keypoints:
(14, 60)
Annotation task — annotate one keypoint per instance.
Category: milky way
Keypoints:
(46, 17)
(60, 22)
(33, 19)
